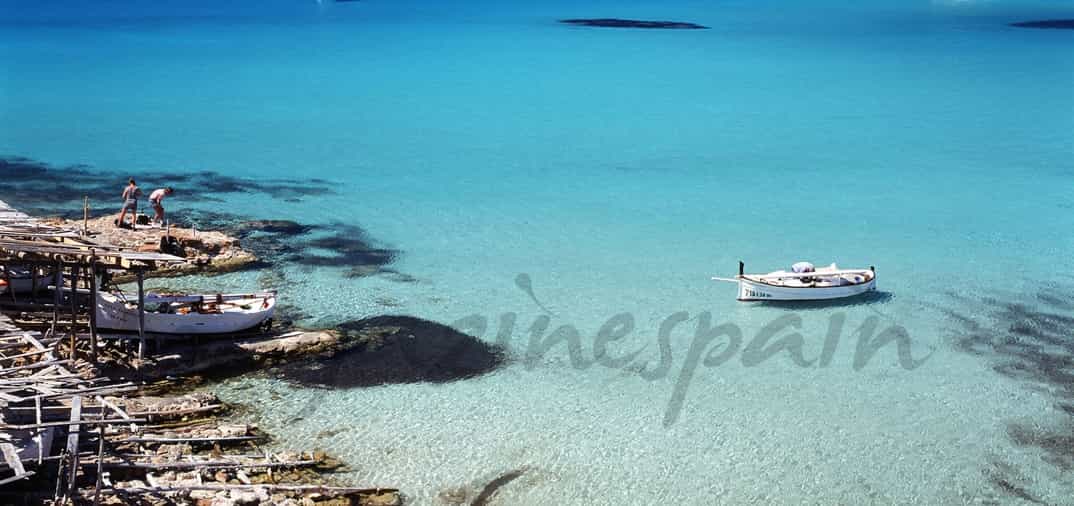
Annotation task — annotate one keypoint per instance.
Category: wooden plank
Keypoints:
(17, 477)
(73, 431)
(37, 365)
(141, 315)
(27, 354)
(321, 489)
(11, 456)
(38, 438)
(69, 423)
(208, 464)
(113, 407)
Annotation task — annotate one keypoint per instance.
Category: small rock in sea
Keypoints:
(286, 227)
(633, 23)
(361, 271)
(1055, 24)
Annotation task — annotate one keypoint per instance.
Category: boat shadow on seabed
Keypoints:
(865, 299)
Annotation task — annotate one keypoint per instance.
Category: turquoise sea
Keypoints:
(616, 171)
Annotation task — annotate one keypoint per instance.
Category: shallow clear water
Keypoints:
(619, 170)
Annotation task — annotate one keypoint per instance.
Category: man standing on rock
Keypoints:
(155, 200)
(130, 203)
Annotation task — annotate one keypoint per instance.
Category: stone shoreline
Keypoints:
(205, 251)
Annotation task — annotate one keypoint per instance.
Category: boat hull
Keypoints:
(754, 291)
(116, 315)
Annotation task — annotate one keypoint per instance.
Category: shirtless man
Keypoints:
(155, 200)
(130, 203)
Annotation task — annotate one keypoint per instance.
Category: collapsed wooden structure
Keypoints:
(62, 425)
(67, 262)
(70, 435)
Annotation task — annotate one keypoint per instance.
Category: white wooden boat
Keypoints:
(823, 283)
(186, 314)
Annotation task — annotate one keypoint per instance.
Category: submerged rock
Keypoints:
(398, 349)
(1056, 24)
(632, 23)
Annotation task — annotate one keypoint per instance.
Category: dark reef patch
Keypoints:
(1053, 24)
(633, 23)
(285, 241)
(1031, 339)
(39, 188)
(398, 349)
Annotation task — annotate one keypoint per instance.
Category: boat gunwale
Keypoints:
(746, 278)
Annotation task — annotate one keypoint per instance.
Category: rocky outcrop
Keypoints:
(1054, 24)
(205, 251)
(632, 23)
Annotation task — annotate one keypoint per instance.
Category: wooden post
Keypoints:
(93, 306)
(33, 282)
(57, 296)
(100, 456)
(38, 433)
(141, 313)
(72, 445)
(7, 279)
(74, 311)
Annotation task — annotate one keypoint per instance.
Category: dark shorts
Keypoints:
(131, 205)
(156, 206)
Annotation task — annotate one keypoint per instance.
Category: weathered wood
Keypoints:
(173, 440)
(105, 403)
(33, 282)
(93, 306)
(33, 341)
(320, 489)
(177, 412)
(36, 365)
(206, 464)
(17, 477)
(74, 311)
(11, 457)
(71, 423)
(141, 313)
(100, 455)
(7, 280)
(73, 431)
(27, 354)
(38, 433)
(57, 294)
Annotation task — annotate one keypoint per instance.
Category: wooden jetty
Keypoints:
(66, 260)
(69, 435)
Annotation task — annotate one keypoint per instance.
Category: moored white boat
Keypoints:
(823, 283)
(186, 314)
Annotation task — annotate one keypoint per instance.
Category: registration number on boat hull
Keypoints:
(751, 293)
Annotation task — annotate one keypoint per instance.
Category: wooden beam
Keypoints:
(141, 313)
(17, 477)
(74, 311)
(57, 296)
(93, 307)
(72, 443)
(11, 457)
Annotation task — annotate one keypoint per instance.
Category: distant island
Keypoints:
(631, 23)
(1056, 24)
